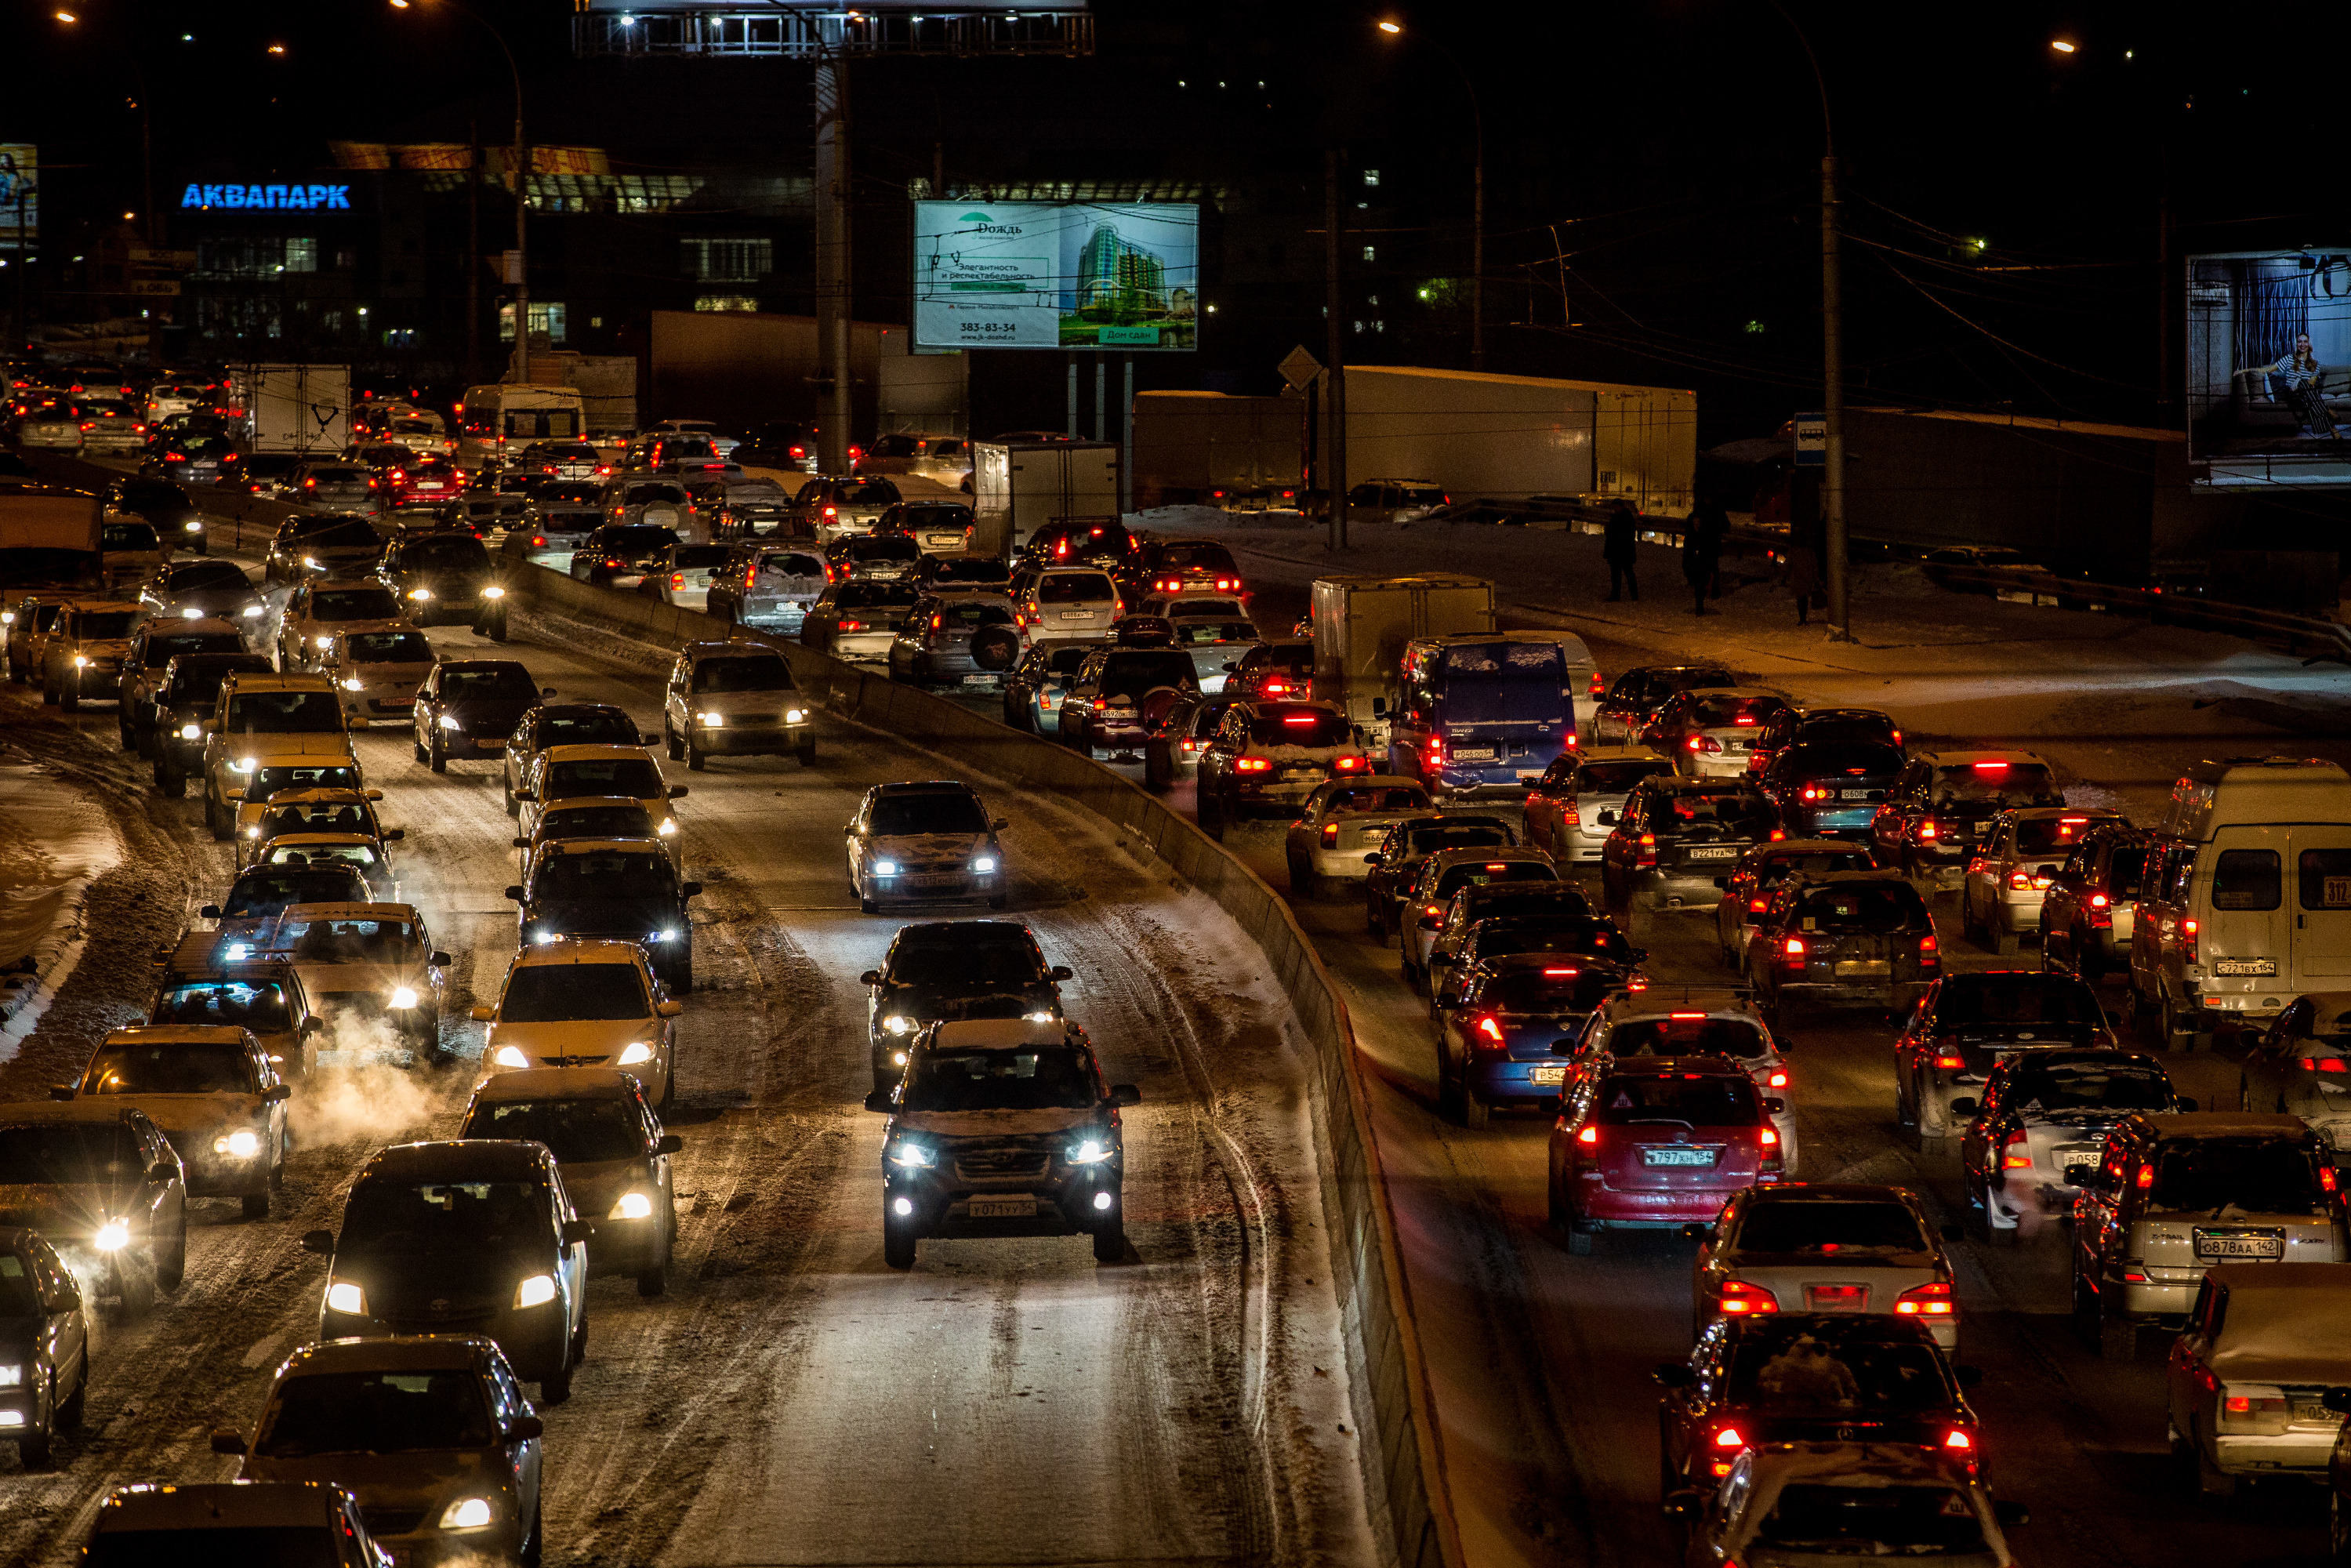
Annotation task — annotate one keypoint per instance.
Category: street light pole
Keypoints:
(1477, 198)
(1835, 569)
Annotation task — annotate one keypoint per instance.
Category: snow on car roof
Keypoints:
(2286, 1322)
(998, 1034)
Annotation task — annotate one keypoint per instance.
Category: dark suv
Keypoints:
(1936, 814)
(445, 579)
(1865, 725)
(620, 890)
(942, 970)
(468, 707)
(182, 712)
(1857, 937)
(1677, 840)
(2092, 906)
(1831, 789)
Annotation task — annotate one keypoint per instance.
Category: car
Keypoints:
(1655, 1143)
(101, 1183)
(129, 551)
(595, 816)
(427, 476)
(1850, 938)
(1491, 913)
(337, 487)
(1178, 570)
(620, 555)
(1432, 908)
(938, 527)
(187, 457)
(270, 474)
(568, 770)
(2171, 1196)
(1676, 841)
(445, 579)
(2015, 865)
(469, 707)
(379, 672)
(155, 1522)
(2043, 1114)
(111, 424)
(560, 514)
(1830, 790)
(1117, 694)
(783, 444)
(213, 1093)
(942, 969)
(2090, 909)
(1274, 669)
(734, 699)
(1865, 725)
(1625, 706)
(1034, 691)
(373, 963)
(169, 506)
(917, 452)
(2255, 1383)
(1747, 891)
(184, 705)
(259, 892)
(1404, 845)
(684, 574)
(608, 1140)
(1707, 730)
(961, 640)
(295, 721)
(319, 612)
(1394, 500)
(1210, 642)
(641, 500)
(623, 890)
(84, 654)
(1101, 542)
(767, 586)
(674, 452)
(29, 622)
(154, 644)
(271, 818)
(549, 725)
(836, 509)
(204, 590)
(490, 508)
(1497, 1044)
(50, 426)
(1803, 1375)
(44, 1333)
(1840, 1502)
(953, 1164)
(1343, 821)
(1268, 757)
(932, 840)
(1642, 1020)
(465, 1232)
(946, 574)
(1171, 748)
(2301, 1065)
(857, 620)
(585, 1001)
(731, 505)
(1855, 1248)
(343, 546)
(214, 979)
(1065, 602)
(1571, 810)
(1964, 1024)
(1935, 817)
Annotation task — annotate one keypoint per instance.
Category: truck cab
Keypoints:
(1360, 627)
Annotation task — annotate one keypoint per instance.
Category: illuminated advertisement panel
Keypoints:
(1056, 275)
(2269, 368)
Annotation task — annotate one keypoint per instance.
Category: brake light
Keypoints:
(1275, 688)
(1298, 719)
(1435, 751)
(1758, 905)
(1779, 1079)
(1330, 835)
(1490, 1028)
(2098, 901)
(1794, 947)
(2188, 930)
(1227, 584)
(1990, 767)
(1729, 1437)
(677, 580)
(2146, 1177)
(1649, 856)
(1929, 950)
(1932, 1300)
(1768, 1137)
(1737, 1297)
(2325, 1064)
(1957, 1441)
(1252, 765)
(1589, 1137)
(1351, 765)
(1704, 743)
(2013, 1154)
(1563, 973)
(1596, 688)
(852, 627)
(1951, 1061)
(1571, 817)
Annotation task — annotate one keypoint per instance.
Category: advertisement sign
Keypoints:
(20, 167)
(1057, 275)
(2269, 368)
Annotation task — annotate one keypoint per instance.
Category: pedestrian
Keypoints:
(1804, 576)
(1617, 548)
(1701, 553)
(1713, 525)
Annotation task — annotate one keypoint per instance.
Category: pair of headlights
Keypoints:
(346, 1296)
(636, 1054)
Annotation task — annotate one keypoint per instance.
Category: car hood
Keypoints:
(378, 674)
(469, 1281)
(595, 1186)
(572, 1036)
(998, 1124)
(190, 1114)
(427, 1479)
(925, 846)
(930, 1003)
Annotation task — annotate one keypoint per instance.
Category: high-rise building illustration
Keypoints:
(1117, 276)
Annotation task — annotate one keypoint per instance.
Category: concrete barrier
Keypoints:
(1402, 1458)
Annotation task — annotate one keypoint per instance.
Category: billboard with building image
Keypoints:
(1057, 275)
(2269, 368)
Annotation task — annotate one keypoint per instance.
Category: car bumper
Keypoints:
(749, 740)
(937, 886)
(1341, 866)
(1600, 1209)
(2301, 1453)
(785, 616)
(2018, 912)
(1896, 992)
(532, 1337)
(91, 683)
(453, 612)
(628, 1246)
(2155, 1299)
(863, 644)
(1531, 1081)
(499, 1541)
(459, 743)
(1066, 1202)
(1272, 799)
(1837, 822)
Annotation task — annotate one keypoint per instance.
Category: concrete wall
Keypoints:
(1402, 1462)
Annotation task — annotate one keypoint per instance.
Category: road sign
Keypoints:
(1300, 368)
(1812, 440)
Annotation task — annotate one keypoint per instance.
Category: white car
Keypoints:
(575, 1002)
(2247, 1380)
(378, 669)
(924, 841)
(1344, 821)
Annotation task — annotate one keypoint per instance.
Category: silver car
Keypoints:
(337, 487)
(1826, 1247)
(1573, 808)
(1071, 602)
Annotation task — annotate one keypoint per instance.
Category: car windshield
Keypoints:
(1866, 729)
(267, 890)
(105, 626)
(451, 552)
(387, 648)
(350, 817)
(586, 727)
(758, 673)
(1429, 840)
(283, 712)
(354, 604)
(968, 959)
(1863, 907)
(206, 574)
(1315, 728)
(347, 941)
(2251, 1174)
(1199, 556)
(633, 776)
(164, 649)
(2015, 999)
(1050, 1078)
(558, 993)
(154, 493)
(1378, 798)
(2050, 835)
(944, 811)
(340, 475)
(1733, 811)
(1872, 1522)
(1617, 778)
(1480, 873)
(1729, 712)
(1991, 783)
(1826, 1227)
(270, 780)
(1696, 1034)
(491, 683)
(936, 517)
(1704, 1099)
(1074, 588)
(1802, 1375)
(636, 539)
(344, 536)
(604, 874)
(189, 1066)
(68, 1154)
(358, 853)
(1583, 933)
(576, 1131)
(449, 1217)
(1777, 869)
(613, 821)
(968, 613)
(2086, 1083)
(1133, 674)
(129, 536)
(258, 1005)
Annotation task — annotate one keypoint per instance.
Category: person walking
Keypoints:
(1712, 525)
(1618, 550)
(1804, 576)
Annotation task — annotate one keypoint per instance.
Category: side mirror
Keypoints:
(668, 1144)
(2011, 1515)
(871, 977)
(278, 1095)
(528, 793)
(1125, 1095)
(1965, 1105)
(1563, 1046)
(524, 1428)
(209, 911)
(61, 1090)
(1773, 1105)
(677, 791)
(2082, 1176)
(514, 893)
(1968, 1377)
(1060, 972)
(1673, 1373)
(668, 1008)
(323, 1242)
(373, 794)
(547, 691)
(2187, 1102)
(486, 1015)
(879, 1101)
(227, 1440)
(1375, 859)
(312, 1026)
(689, 890)
(393, 835)
(645, 737)
(577, 1230)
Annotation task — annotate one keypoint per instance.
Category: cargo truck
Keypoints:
(1018, 488)
(295, 408)
(1362, 625)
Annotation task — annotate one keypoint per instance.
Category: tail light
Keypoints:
(1932, 1300)
(1435, 751)
(1925, 832)
(1568, 740)
(1252, 765)
(1488, 1030)
(1598, 686)
(1351, 764)
(538, 541)
(2102, 913)
(1793, 950)
(852, 627)
(1738, 1298)
(2188, 936)
(1277, 687)
(1947, 1054)
(1330, 835)
(677, 580)
(1758, 905)
(1778, 1079)
(1589, 1137)
(1227, 584)
(1929, 950)
(1571, 817)
(1649, 856)
(1812, 792)
(1704, 743)
(88, 427)
(2022, 880)
(2013, 1154)
(2325, 1064)
(939, 620)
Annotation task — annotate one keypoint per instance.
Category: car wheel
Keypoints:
(256, 1206)
(869, 907)
(2338, 1530)
(435, 759)
(219, 829)
(49, 695)
(807, 751)
(534, 1545)
(422, 754)
(555, 1387)
(69, 1416)
(669, 738)
(897, 1245)
(1110, 1242)
(1580, 1243)
(697, 759)
(33, 1448)
(497, 632)
(654, 1280)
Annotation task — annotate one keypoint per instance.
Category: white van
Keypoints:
(2246, 902)
(494, 421)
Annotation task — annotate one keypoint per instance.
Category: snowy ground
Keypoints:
(53, 843)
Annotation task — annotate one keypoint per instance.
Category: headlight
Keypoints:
(253, 832)
(509, 1056)
(714, 720)
(403, 997)
(666, 933)
(191, 613)
(913, 1155)
(194, 528)
(353, 683)
(1090, 1152)
(192, 732)
(494, 591)
(983, 864)
(796, 716)
(634, 1053)
(322, 644)
(466, 1513)
(449, 721)
(80, 662)
(12, 1377)
(1037, 1017)
(898, 1023)
(311, 562)
(343, 1296)
(633, 1205)
(242, 765)
(534, 1291)
(897, 1058)
(885, 868)
(253, 613)
(544, 935)
(238, 1146)
(668, 826)
(112, 1237)
(420, 594)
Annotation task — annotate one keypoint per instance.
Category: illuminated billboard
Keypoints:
(20, 193)
(2269, 368)
(1057, 275)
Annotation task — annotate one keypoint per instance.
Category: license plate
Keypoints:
(1678, 1158)
(2244, 965)
(2315, 1415)
(933, 879)
(1856, 794)
(1837, 1298)
(1077, 615)
(1003, 1209)
(978, 680)
(1529, 777)
(1713, 852)
(1554, 1075)
(2210, 1245)
(1473, 754)
(1862, 968)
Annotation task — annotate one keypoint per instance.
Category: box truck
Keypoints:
(1018, 488)
(1360, 627)
(297, 408)
(1213, 447)
(49, 536)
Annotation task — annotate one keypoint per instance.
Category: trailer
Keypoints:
(1020, 487)
(295, 408)
(1362, 625)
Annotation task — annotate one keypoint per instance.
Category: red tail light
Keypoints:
(1758, 905)
(1929, 951)
(1277, 688)
(1951, 1061)
(1957, 1441)
(1779, 1079)
(2188, 932)
(1571, 817)
(1792, 949)
(2325, 1064)
(2099, 901)
(1351, 764)
(1252, 765)
(1597, 685)
(852, 627)
(1927, 831)
(1737, 1297)
(1435, 751)
(1729, 1437)
(1704, 743)
(2013, 1154)
(1490, 1028)
(1649, 856)
(1330, 835)
(1932, 1300)
(1589, 1137)
(677, 580)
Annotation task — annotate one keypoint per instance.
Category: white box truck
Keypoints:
(297, 408)
(1020, 487)
(1360, 627)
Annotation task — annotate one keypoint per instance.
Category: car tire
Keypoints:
(169, 1275)
(1110, 1242)
(534, 1545)
(869, 907)
(556, 1387)
(49, 695)
(1582, 1242)
(807, 751)
(68, 1415)
(437, 759)
(675, 746)
(654, 1281)
(2338, 1530)
(2210, 1480)
(897, 1245)
(697, 759)
(34, 1450)
(422, 754)
(497, 631)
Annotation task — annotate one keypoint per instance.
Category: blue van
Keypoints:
(1485, 713)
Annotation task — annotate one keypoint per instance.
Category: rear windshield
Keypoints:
(2016, 999)
(154, 493)
(354, 604)
(1731, 712)
(1777, 868)
(1862, 907)
(638, 537)
(259, 1006)
(1690, 1099)
(127, 536)
(1205, 557)
(935, 518)
(1050, 1078)
(631, 776)
(2050, 835)
(945, 813)
(974, 613)
(607, 874)
(2259, 1176)
(265, 891)
(1872, 1522)
(267, 781)
(1074, 588)
(884, 546)
(1429, 840)
(873, 493)
(1617, 778)
(340, 475)
(388, 648)
(700, 555)
(643, 495)
(970, 569)
(1204, 634)
(283, 712)
(1378, 798)
(551, 993)
(581, 1130)
(1311, 728)
(1560, 988)
(1834, 728)
(1995, 783)
(1818, 759)
(1538, 663)
(1740, 811)
(2087, 1084)
(1131, 674)
(1801, 1376)
(875, 595)
(187, 1067)
(1811, 1226)
(1475, 874)
(791, 563)
(1498, 935)
(612, 822)
(762, 673)
(1702, 1035)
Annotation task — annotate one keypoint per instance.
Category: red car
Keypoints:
(426, 478)
(1659, 1146)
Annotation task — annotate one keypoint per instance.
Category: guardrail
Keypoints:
(2323, 639)
(1401, 1458)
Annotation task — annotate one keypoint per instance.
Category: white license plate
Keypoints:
(2315, 1415)
(933, 879)
(1856, 794)
(1542, 1076)
(979, 680)
(1003, 1209)
(1473, 754)
(2210, 1246)
(1678, 1158)
(2244, 965)
(1862, 968)
(1529, 777)
(1713, 852)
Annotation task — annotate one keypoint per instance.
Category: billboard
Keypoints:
(2269, 368)
(1057, 275)
(20, 167)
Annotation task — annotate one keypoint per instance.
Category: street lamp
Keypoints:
(521, 278)
(1395, 30)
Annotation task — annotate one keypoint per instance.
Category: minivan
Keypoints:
(1486, 713)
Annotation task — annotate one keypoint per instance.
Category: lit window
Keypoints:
(730, 260)
(726, 302)
(302, 255)
(1371, 253)
(547, 317)
(1371, 176)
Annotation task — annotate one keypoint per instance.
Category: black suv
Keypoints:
(955, 969)
(183, 711)
(1679, 839)
(1625, 708)
(446, 578)
(1790, 725)
(468, 707)
(616, 890)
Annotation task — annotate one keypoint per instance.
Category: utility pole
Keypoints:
(833, 301)
(1833, 406)
(1334, 414)
(474, 252)
(522, 244)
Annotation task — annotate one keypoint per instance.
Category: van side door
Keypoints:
(2319, 888)
(2245, 932)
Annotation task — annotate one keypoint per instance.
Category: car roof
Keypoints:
(125, 604)
(1732, 691)
(556, 1083)
(459, 1159)
(1000, 1034)
(221, 1505)
(1448, 859)
(927, 931)
(925, 787)
(392, 1352)
(178, 1034)
(579, 950)
(181, 624)
(352, 911)
(593, 750)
